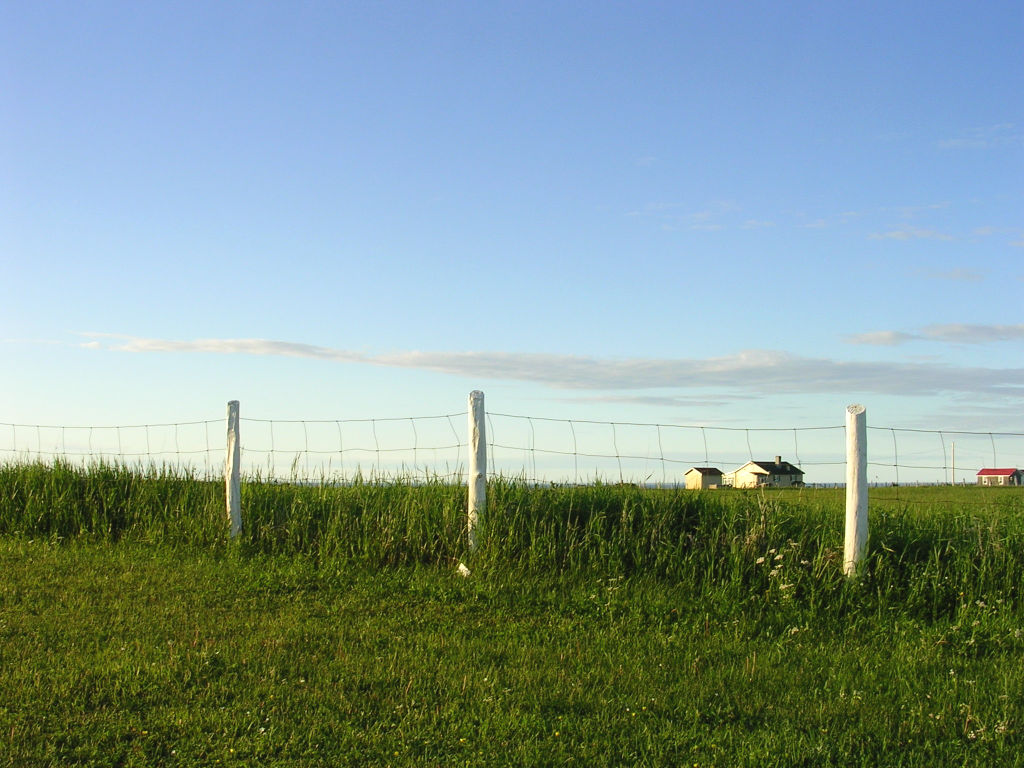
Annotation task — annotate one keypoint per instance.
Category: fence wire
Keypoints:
(533, 449)
(195, 446)
(544, 450)
(900, 458)
(412, 448)
(415, 448)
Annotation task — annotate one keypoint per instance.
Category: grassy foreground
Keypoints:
(600, 626)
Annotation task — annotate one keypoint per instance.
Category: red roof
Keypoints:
(997, 472)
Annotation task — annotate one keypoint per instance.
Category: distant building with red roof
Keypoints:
(1001, 477)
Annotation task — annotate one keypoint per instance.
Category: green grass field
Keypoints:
(601, 625)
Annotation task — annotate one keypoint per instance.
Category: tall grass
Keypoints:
(924, 555)
(383, 523)
(106, 501)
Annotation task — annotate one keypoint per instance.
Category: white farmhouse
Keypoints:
(759, 474)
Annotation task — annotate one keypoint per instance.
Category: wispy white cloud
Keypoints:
(881, 338)
(656, 209)
(958, 275)
(910, 233)
(965, 333)
(962, 143)
(913, 211)
(819, 220)
(672, 216)
(987, 137)
(662, 401)
(124, 343)
(967, 412)
(1012, 232)
(711, 217)
(955, 333)
(751, 373)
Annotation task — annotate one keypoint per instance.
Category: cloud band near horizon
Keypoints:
(953, 333)
(750, 373)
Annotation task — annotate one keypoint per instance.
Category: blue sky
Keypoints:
(732, 214)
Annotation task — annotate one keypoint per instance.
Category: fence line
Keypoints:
(435, 450)
(677, 445)
(277, 449)
(534, 449)
(669, 447)
(129, 443)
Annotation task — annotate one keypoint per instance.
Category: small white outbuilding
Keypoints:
(699, 478)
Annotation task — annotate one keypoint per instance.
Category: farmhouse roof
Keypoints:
(780, 468)
(705, 470)
(998, 472)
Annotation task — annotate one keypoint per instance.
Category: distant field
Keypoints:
(601, 625)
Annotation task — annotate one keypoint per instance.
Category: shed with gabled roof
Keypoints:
(1005, 476)
(700, 478)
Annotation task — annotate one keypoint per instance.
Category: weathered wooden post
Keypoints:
(856, 488)
(233, 471)
(477, 467)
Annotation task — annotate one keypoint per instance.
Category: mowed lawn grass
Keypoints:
(154, 645)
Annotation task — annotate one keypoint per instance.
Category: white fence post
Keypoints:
(856, 540)
(477, 466)
(233, 471)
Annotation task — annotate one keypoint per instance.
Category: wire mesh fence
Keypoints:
(546, 450)
(533, 449)
(196, 446)
(337, 450)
